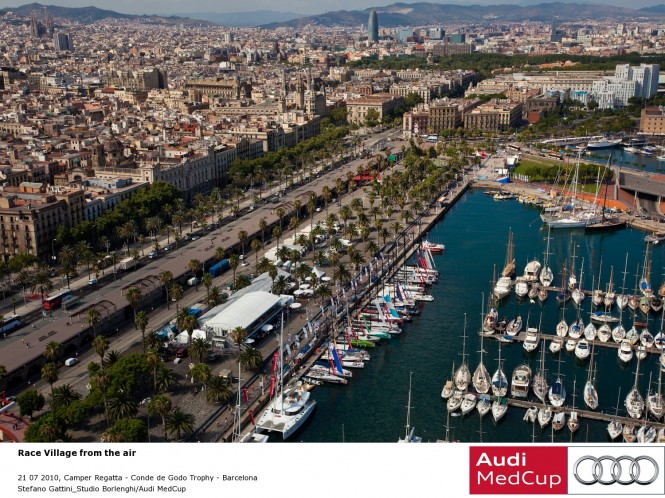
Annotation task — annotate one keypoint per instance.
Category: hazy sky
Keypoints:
(297, 6)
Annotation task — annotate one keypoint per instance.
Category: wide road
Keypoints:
(62, 326)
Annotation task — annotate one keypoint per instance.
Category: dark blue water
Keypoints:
(373, 406)
(626, 159)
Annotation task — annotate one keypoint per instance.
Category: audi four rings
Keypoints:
(634, 470)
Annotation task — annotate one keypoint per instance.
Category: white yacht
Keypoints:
(625, 351)
(287, 411)
(519, 387)
(503, 287)
(532, 271)
(531, 340)
(556, 344)
(521, 287)
(582, 349)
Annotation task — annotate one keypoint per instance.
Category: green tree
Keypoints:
(100, 344)
(242, 238)
(371, 118)
(201, 373)
(176, 294)
(238, 336)
(166, 279)
(122, 405)
(251, 359)
(93, 317)
(234, 262)
(50, 374)
(161, 405)
(199, 348)
(41, 281)
(195, 267)
(179, 422)
(30, 402)
(128, 431)
(63, 396)
(141, 322)
(218, 390)
(133, 296)
(52, 351)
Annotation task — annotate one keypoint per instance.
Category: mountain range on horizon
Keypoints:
(393, 15)
(427, 14)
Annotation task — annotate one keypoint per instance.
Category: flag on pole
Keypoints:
(251, 416)
(272, 386)
(274, 361)
(245, 395)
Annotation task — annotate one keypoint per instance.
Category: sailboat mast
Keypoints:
(408, 410)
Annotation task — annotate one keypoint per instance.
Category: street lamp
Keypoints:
(53, 252)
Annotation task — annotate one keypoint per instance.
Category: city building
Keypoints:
(63, 42)
(144, 79)
(652, 120)
(494, 116)
(373, 27)
(382, 103)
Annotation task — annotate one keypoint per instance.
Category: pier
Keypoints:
(549, 337)
(587, 414)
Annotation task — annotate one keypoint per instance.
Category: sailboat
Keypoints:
(557, 392)
(610, 295)
(490, 320)
(615, 427)
(645, 285)
(289, 410)
(499, 379)
(409, 435)
(622, 299)
(509, 267)
(597, 295)
(590, 330)
(590, 392)
(539, 380)
(564, 294)
(578, 293)
(463, 374)
(634, 401)
(481, 377)
(573, 421)
(546, 275)
(572, 279)
(655, 402)
(449, 386)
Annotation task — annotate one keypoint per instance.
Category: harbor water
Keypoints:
(372, 407)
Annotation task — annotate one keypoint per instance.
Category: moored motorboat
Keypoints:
(531, 340)
(556, 344)
(558, 421)
(625, 351)
(519, 387)
(531, 414)
(582, 349)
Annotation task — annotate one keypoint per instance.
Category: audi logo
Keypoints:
(622, 470)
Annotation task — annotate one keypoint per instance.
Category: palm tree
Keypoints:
(277, 233)
(161, 405)
(154, 360)
(323, 292)
(207, 283)
(42, 281)
(178, 422)
(176, 294)
(263, 265)
(100, 344)
(251, 359)
(201, 373)
(263, 224)
(93, 316)
(341, 274)
(166, 279)
(238, 336)
(200, 348)
(50, 374)
(126, 232)
(280, 285)
(280, 214)
(111, 358)
(63, 396)
(217, 390)
(215, 297)
(234, 262)
(242, 238)
(195, 267)
(3, 372)
(256, 246)
(220, 254)
(141, 322)
(122, 405)
(52, 351)
(165, 379)
(133, 296)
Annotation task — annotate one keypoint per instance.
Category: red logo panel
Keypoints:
(518, 470)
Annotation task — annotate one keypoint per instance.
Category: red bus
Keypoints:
(55, 301)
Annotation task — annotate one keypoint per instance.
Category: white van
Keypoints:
(70, 362)
(192, 281)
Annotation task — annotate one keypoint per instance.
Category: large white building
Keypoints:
(628, 82)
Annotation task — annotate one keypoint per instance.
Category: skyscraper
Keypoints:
(373, 27)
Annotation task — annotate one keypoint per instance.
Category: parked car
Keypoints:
(70, 362)
(92, 281)
(153, 254)
(181, 353)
